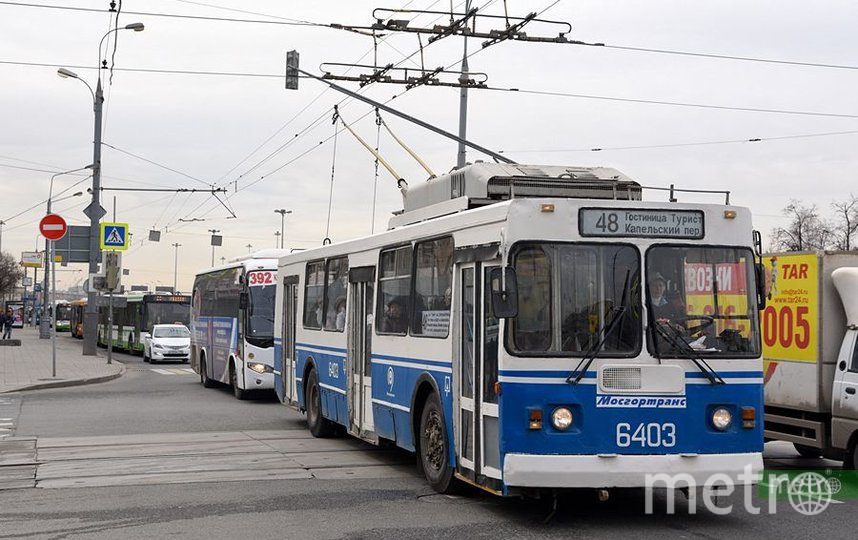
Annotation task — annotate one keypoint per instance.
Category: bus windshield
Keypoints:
(569, 294)
(167, 313)
(701, 301)
(260, 320)
(63, 312)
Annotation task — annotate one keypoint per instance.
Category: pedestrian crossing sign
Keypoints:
(114, 236)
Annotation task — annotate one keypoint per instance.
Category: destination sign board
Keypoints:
(638, 222)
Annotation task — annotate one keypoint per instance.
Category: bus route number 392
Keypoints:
(651, 435)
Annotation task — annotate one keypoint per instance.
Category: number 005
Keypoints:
(652, 435)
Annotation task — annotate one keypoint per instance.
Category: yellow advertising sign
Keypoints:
(728, 300)
(789, 322)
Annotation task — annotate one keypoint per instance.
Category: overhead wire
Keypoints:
(679, 145)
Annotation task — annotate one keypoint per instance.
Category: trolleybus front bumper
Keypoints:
(624, 470)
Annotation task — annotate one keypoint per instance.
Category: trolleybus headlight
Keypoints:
(561, 418)
(259, 368)
(721, 419)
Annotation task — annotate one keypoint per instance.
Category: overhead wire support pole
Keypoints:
(421, 123)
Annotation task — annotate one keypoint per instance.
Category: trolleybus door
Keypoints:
(290, 312)
(476, 373)
(358, 361)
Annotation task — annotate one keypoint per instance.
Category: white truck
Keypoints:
(810, 351)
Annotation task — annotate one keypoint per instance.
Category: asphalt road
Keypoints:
(149, 455)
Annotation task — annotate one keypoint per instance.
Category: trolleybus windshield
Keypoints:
(701, 301)
(567, 293)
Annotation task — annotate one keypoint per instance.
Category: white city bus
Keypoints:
(504, 331)
(232, 323)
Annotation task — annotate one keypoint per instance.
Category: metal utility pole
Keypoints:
(176, 265)
(214, 232)
(463, 102)
(1, 234)
(94, 211)
(282, 212)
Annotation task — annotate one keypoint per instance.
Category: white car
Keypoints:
(167, 342)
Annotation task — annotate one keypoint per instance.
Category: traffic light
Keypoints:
(292, 70)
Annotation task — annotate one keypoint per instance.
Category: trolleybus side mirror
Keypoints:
(243, 301)
(504, 290)
(760, 274)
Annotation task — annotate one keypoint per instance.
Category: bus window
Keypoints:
(335, 295)
(598, 291)
(394, 289)
(314, 294)
(532, 327)
(432, 288)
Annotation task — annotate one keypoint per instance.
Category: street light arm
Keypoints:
(51, 189)
(137, 27)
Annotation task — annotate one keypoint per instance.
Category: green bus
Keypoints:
(135, 313)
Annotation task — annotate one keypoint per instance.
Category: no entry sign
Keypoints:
(53, 227)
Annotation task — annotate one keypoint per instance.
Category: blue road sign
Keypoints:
(114, 236)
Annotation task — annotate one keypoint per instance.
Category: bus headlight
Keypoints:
(260, 368)
(721, 419)
(561, 418)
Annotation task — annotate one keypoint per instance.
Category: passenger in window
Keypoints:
(395, 321)
(657, 288)
(340, 321)
(448, 297)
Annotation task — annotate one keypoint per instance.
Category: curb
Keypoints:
(70, 382)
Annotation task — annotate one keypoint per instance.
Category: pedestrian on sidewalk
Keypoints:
(6, 324)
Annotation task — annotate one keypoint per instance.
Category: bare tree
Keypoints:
(10, 274)
(845, 223)
(806, 230)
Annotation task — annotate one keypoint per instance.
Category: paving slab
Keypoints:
(30, 366)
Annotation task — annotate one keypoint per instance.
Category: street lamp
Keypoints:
(282, 213)
(176, 266)
(45, 325)
(94, 211)
(249, 248)
(276, 239)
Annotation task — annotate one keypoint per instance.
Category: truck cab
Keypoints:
(844, 413)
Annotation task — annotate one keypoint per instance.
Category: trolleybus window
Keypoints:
(394, 289)
(433, 279)
(335, 295)
(701, 301)
(571, 294)
(314, 289)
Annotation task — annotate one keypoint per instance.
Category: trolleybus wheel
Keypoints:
(204, 376)
(318, 424)
(434, 447)
(808, 451)
(851, 461)
(239, 393)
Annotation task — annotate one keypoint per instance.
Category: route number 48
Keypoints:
(652, 435)
(608, 222)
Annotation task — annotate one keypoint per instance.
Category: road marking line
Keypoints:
(163, 371)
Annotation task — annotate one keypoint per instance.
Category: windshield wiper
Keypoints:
(675, 339)
(590, 355)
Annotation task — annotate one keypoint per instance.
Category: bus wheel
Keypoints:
(319, 425)
(434, 447)
(239, 393)
(204, 375)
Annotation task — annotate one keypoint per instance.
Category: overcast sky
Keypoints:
(248, 134)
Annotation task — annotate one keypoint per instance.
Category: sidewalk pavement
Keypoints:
(29, 366)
